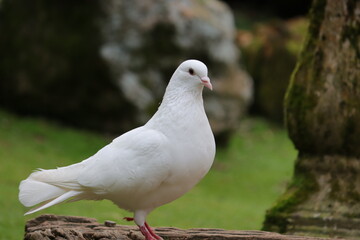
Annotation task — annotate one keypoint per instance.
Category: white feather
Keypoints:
(57, 200)
(33, 192)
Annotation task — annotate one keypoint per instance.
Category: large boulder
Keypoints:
(105, 64)
(144, 43)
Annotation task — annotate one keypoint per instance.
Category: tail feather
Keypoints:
(49, 187)
(33, 192)
(57, 200)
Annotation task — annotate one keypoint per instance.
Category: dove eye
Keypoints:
(191, 71)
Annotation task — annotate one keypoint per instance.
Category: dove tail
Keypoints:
(57, 200)
(35, 189)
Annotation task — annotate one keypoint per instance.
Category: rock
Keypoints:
(66, 227)
(109, 223)
(270, 54)
(105, 64)
(145, 42)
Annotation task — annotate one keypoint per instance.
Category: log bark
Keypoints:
(46, 227)
(322, 109)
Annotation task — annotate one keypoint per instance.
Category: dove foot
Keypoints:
(149, 233)
(146, 233)
(146, 230)
(129, 219)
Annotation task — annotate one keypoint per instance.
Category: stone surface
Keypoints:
(65, 227)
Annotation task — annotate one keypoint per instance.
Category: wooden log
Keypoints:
(47, 227)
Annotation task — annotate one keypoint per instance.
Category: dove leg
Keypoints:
(139, 219)
(146, 233)
(152, 232)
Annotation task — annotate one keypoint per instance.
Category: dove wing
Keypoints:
(135, 161)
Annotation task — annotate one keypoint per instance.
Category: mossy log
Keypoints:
(322, 109)
(66, 227)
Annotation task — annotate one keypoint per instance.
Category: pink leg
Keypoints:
(152, 232)
(146, 230)
(146, 233)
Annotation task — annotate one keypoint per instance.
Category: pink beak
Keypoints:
(206, 82)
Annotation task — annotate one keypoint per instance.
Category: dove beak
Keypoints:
(206, 82)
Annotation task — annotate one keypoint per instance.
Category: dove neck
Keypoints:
(178, 104)
(182, 97)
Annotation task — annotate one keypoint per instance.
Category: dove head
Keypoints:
(192, 74)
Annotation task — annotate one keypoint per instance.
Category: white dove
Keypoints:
(146, 167)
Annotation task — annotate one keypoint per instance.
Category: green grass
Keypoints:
(246, 179)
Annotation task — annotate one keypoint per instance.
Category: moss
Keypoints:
(310, 54)
(297, 99)
(317, 13)
(298, 105)
(298, 30)
(296, 93)
(301, 187)
(300, 98)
